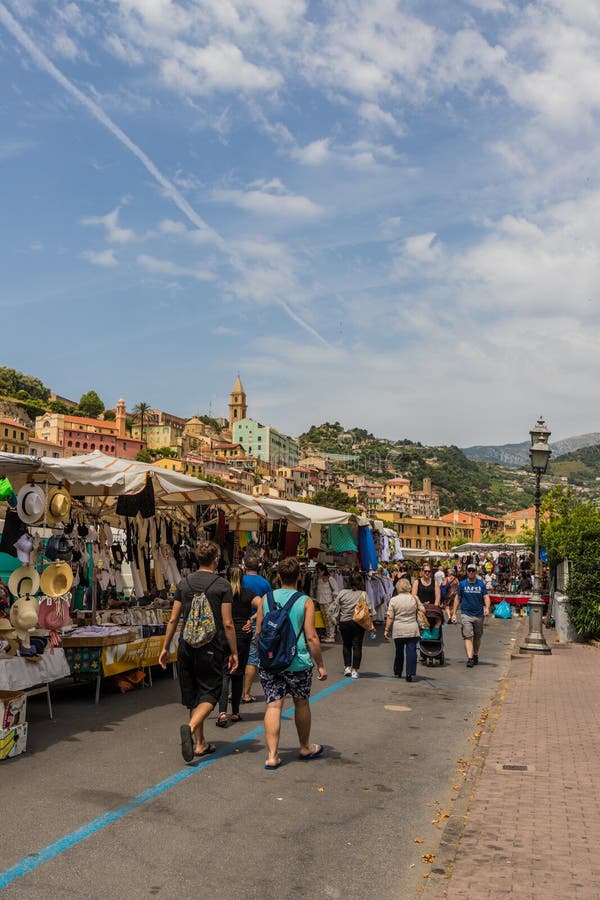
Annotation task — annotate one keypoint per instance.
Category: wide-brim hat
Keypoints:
(56, 579)
(24, 580)
(58, 505)
(31, 504)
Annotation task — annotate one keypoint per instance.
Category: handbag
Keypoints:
(422, 620)
(362, 614)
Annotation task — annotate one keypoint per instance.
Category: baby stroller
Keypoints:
(431, 643)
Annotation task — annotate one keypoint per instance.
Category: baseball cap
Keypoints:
(471, 567)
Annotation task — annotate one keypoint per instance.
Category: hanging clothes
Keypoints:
(341, 539)
(366, 545)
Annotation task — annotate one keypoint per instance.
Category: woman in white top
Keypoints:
(327, 590)
(352, 634)
(402, 621)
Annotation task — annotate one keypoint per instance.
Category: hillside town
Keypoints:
(246, 456)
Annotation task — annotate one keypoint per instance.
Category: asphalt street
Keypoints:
(355, 823)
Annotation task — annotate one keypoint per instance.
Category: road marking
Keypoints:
(399, 708)
(35, 860)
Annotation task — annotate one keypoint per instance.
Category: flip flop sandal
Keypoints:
(222, 722)
(211, 748)
(187, 744)
(236, 718)
(314, 755)
(249, 700)
(272, 768)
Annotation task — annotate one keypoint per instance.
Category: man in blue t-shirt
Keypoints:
(259, 585)
(474, 606)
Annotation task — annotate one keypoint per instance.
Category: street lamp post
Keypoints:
(539, 454)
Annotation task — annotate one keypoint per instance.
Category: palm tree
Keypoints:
(139, 411)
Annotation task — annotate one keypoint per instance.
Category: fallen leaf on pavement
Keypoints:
(321, 790)
(426, 875)
(417, 840)
(428, 857)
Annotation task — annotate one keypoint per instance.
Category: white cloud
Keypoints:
(225, 331)
(314, 154)
(218, 67)
(65, 46)
(11, 148)
(123, 50)
(104, 258)
(270, 204)
(377, 116)
(166, 267)
(115, 234)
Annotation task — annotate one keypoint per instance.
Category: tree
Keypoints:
(109, 415)
(91, 405)
(335, 499)
(143, 456)
(575, 535)
(140, 411)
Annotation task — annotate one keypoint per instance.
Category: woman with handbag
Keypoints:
(352, 631)
(402, 620)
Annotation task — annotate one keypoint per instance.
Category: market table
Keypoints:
(103, 659)
(515, 599)
(34, 676)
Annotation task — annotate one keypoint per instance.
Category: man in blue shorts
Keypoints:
(474, 606)
(297, 678)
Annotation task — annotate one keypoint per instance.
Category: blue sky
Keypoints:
(381, 212)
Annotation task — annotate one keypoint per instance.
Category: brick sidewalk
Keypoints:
(536, 834)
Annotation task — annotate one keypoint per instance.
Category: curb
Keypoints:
(441, 872)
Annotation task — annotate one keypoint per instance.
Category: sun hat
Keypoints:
(24, 546)
(56, 579)
(31, 504)
(24, 580)
(58, 505)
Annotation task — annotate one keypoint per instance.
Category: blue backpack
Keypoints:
(277, 641)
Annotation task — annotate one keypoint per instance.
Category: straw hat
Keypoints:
(24, 580)
(31, 504)
(57, 579)
(58, 505)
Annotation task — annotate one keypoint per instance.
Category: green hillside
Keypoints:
(461, 483)
(581, 468)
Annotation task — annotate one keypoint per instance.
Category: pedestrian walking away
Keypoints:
(327, 590)
(351, 632)
(200, 668)
(402, 622)
(244, 607)
(259, 586)
(296, 678)
(474, 600)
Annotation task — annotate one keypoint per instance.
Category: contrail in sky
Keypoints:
(168, 187)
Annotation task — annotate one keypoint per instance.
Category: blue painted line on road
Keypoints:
(35, 860)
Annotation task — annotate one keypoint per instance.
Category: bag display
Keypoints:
(277, 640)
(362, 614)
(200, 627)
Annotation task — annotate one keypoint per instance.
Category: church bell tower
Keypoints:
(237, 403)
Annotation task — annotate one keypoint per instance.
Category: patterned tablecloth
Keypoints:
(117, 658)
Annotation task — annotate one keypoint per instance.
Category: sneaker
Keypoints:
(475, 659)
(354, 673)
(470, 663)
(347, 671)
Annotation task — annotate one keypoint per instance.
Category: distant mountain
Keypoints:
(517, 455)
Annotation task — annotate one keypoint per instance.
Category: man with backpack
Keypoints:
(474, 602)
(288, 645)
(203, 601)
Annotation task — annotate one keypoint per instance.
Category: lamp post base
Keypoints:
(535, 642)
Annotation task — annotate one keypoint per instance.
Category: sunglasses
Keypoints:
(426, 571)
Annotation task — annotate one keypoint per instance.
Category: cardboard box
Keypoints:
(13, 741)
(13, 709)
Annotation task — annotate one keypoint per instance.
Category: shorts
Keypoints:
(277, 684)
(200, 671)
(253, 654)
(471, 626)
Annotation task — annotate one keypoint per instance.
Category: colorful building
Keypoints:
(76, 434)
(266, 443)
(14, 436)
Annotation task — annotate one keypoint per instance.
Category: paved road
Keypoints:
(343, 826)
